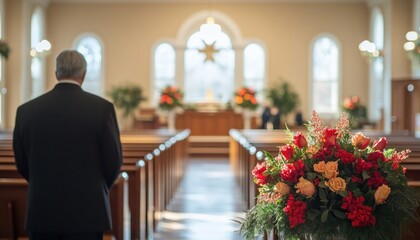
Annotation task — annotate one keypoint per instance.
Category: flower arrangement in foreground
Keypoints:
(331, 184)
(245, 98)
(170, 98)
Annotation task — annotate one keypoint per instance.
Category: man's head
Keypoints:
(70, 64)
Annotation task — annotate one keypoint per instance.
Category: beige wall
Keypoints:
(14, 68)
(129, 32)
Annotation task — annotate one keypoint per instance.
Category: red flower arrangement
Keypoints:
(170, 98)
(331, 184)
(245, 98)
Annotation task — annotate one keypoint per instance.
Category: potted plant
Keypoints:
(245, 98)
(128, 99)
(170, 99)
(4, 49)
(284, 98)
(356, 110)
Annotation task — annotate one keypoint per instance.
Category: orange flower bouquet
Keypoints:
(355, 109)
(245, 98)
(331, 184)
(170, 98)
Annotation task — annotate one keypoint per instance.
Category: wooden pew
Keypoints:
(13, 198)
(142, 151)
(138, 156)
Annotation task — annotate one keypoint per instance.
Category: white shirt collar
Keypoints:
(69, 81)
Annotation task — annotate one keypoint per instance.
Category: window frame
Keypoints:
(102, 79)
(332, 114)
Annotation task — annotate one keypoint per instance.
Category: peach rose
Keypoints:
(382, 193)
(336, 184)
(360, 141)
(331, 169)
(305, 187)
(282, 188)
(319, 167)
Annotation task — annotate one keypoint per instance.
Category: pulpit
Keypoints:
(216, 123)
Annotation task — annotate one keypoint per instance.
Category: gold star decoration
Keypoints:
(209, 50)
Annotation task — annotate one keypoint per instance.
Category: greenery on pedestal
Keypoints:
(4, 49)
(127, 98)
(284, 98)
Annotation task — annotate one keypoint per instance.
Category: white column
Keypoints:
(239, 66)
(415, 65)
(387, 66)
(26, 79)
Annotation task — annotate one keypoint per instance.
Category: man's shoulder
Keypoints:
(33, 102)
(96, 99)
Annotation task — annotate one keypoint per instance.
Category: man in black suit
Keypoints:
(67, 146)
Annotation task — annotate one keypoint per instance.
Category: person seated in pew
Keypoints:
(67, 146)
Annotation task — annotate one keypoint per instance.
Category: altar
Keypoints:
(211, 123)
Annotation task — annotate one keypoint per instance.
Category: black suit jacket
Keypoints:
(67, 146)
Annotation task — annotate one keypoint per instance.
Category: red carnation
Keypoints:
(361, 165)
(359, 214)
(380, 144)
(292, 171)
(258, 173)
(299, 140)
(345, 156)
(376, 180)
(287, 151)
(330, 135)
(295, 211)
(375, 156)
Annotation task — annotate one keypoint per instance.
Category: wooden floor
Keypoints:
(205, 204)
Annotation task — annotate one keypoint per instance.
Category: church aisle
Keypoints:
(204, 205)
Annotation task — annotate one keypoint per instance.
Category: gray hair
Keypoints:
(70, 64)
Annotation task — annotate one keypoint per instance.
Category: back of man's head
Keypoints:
(70, 64)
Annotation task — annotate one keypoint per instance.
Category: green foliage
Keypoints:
(127, 98)
(4, 49)
(415, 53)
(284, 98)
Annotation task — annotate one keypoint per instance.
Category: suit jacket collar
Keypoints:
(68, 86)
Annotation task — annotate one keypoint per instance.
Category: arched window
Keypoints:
(91, 48)
(254, 68)
(37, 63)
(164, 69)
(209, 75)
(325, 76)
(377, 67)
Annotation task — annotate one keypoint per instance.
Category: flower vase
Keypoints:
(171, 119)
(247, 114)
(127, 122)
